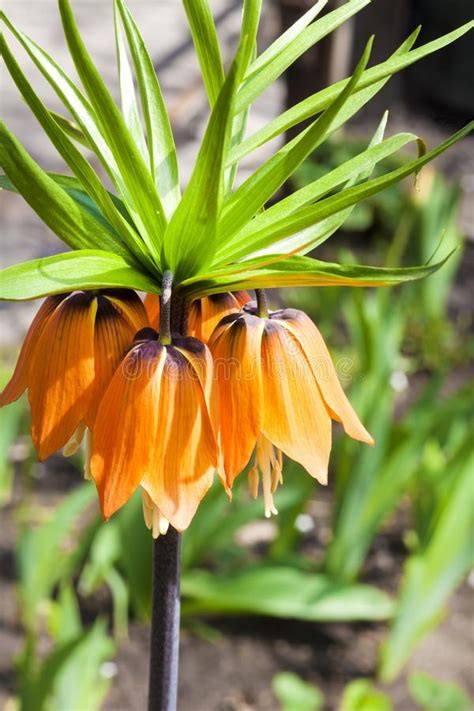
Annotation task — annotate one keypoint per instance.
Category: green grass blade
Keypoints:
(203, 31)
(129, 104)
(139, 193)
(263, 76)
(163, 161)
(82, 269)
(190, 239)
(319, 101)
(252, 195)
(309, 216)
(285, 39)
(128, 242)
(61, 213)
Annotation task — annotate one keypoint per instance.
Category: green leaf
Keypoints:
(163, 161)
(294, 694)
(433, 573)
(436, 695)
(322, 99)
(252, 195)
(284, 40)
(264, 75)
(205, 40)
(83, 269)
(301, 271)
(75, 102)
(137, 186)
(190, 239)
(127, 241)
(282, 592)
(362, 695)
(361, 164)
(129, 104)
(60, 212)
(311, 215)
(71, 129)
(10, 429)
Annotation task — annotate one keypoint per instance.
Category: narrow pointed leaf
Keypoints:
(252, 195)
(303, 271)
(163, 161)
(61, 213)
(319, 188)
(291, 34)
(191, 235)
(70, 128)
(140, 195)
(82, 269)
(264, 75)
(127, 90)
(311, 215)
(205, 40)
(317, 102)
(128, 241)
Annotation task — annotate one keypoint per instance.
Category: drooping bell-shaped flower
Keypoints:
(70, 352)
(278, 391)
(153, 429)
(204, 314)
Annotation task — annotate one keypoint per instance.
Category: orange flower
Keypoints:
(278, 391)
(153, 429)
(71, 350)
(204, 314)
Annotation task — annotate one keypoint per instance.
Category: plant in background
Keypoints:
(158, 425)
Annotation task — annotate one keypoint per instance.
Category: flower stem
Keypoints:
(164, 647)
(165, 315)
(262, 304)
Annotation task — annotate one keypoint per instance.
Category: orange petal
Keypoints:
(126, 427)
(205, 314)
(152, 307)
(129, 305)
(184, 450)
(317, 354)
(236, 352)
(295, 418)
(112, 336)
(61, 374)
(19, 380)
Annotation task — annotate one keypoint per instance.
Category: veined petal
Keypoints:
(126, 427)
(19, 380)
(295, 418)
(236, 349)
(319, 359)
(184, 451)
(152, 308)
(113, 334)
(61, 374)
(129, 305)
(205, 314)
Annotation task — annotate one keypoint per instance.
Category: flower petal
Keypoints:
(205, 314)
(317, 354)
(129, 305)
(113, 334)
(61, 374)
(19, 380)
(152, 308)
(236, 352)
(126, 427)
(184, 450)
(295, 418)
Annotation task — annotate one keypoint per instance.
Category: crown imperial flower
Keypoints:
(278, 389)
(69, 355)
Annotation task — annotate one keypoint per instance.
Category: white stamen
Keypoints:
(75, 441)
(254, 481)
(87, 455)
(154, 519)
